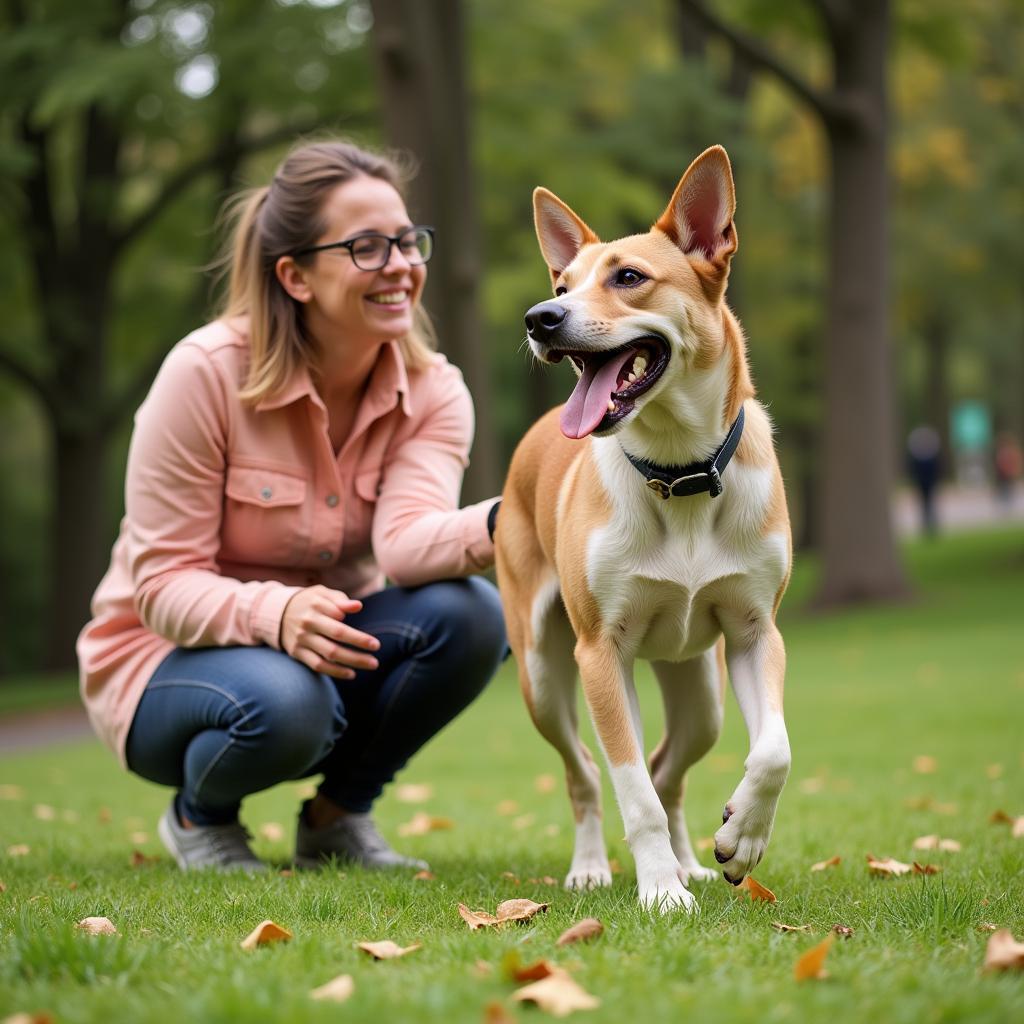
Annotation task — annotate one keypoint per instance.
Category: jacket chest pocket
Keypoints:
(264, 517)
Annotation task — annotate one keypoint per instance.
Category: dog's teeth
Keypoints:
(631, 378)
(639, 365)
(611, 405)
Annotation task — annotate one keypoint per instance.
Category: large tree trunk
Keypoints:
(858, 545)
(421, 68)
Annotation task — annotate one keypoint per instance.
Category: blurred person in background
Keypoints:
(1008, 465)
(924, 464)
(291, 456)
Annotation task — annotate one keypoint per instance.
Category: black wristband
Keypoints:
(492, 518)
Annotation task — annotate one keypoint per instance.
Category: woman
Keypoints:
(291, 455)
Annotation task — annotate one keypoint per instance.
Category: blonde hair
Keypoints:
(281, 218)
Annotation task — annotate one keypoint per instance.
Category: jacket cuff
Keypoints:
(479, 546)
(268, 610)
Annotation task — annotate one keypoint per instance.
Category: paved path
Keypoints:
(33, 729)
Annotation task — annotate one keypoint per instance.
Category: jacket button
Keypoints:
(325, 556)
(266, 494)
(332, 500)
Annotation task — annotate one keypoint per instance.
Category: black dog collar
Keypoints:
(697, 477)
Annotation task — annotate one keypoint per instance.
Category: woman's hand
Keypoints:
(312, 631)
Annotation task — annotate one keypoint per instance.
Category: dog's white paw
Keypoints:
(666, 892)
(694, 872)
(588, 876)
(741, 841)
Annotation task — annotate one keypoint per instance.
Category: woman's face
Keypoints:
(362, 305)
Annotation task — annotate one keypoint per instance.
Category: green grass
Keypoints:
(867, 692)
(37, 692)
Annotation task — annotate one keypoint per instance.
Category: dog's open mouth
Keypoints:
(610, 383)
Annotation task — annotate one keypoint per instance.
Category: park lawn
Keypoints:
(868, 693)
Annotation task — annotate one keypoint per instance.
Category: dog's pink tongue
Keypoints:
(588, 403)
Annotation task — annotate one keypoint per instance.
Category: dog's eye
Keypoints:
(627, 277)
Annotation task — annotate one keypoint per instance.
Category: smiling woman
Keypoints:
(292, 455)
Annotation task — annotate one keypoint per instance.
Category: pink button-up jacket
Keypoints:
(230, 509)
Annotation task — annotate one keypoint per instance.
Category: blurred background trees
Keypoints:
(126, 124)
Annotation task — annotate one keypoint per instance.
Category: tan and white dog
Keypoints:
(605, 551)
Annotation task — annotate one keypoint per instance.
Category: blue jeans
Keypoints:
(219, 723)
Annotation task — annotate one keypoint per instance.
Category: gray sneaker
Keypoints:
(222, 847)
(353, 837)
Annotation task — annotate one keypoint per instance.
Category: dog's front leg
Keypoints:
(756, 658)
(609, 692)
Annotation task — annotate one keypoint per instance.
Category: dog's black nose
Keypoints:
(544, 319)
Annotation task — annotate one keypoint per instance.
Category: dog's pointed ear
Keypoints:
(699, 218)
(560, 232)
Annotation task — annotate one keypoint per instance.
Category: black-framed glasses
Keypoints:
(372, 251)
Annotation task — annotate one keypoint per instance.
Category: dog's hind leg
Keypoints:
(691, 692)
(548, 676)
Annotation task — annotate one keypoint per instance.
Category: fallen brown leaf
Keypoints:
(273, 832)
(422, 823)
(104, 816)
(523, 821)
(495, 1013)
(924, 764)
(615, 867)
(1018, 828)
(509, 877)
(757, 892)
(44, 812)
(887, 867)
(265, 933)
(139, 838)
(3, 888)
(476, 918)
(19, 850)
(139, 859)
(545, 783)
(516, 971)
(414, 792)
(812, 963)
(950, 845)
(780, 927)
(557, 994)
(926, 869)
(582, 931)
(386, 949)
(507, 807)
(11, 792)
(705, 843)
(519, 910)
(29, 1018)
(986, 926)
(843, 931)
(482, 969)
(543, 880)
(1000, 817)
(1004, 952)
(97, 926)
(945, 808)
(926, 842)
(337, 990)
(424, 876)
(994, 771)
(830, 863)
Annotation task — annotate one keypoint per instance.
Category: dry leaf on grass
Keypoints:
(482, 969)
(519, 910)
(19, 850)
(44, 812)
(139, 859)
(812, 963)
(422, 823)
(523, 821)
(1018, 828)
(386, 949)
(11, 792)
(780, 927)
(543, 880)
(265, 933)
(515, 970)
(994, 771)
(1000, 817)
(924, 764)
(888, 867)
(545, 783)
(933, 842)
(926, 869)
(507, 807)
(139, 838)
(844, 931)
(414, 792)
(3, 888)
(614, 866)
(1004, 952)
(272, 831)
(476, 918)
(29, 1018)
(705, 843)
(757, 892)
(830, 863)
(986, 926)
(495, 1013)
(424, 876)
(557, 994)
(582, 931)
(509, 877)
(337, 990)
(96, 926)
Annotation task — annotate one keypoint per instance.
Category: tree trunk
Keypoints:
(421, 68)
(858, 545)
